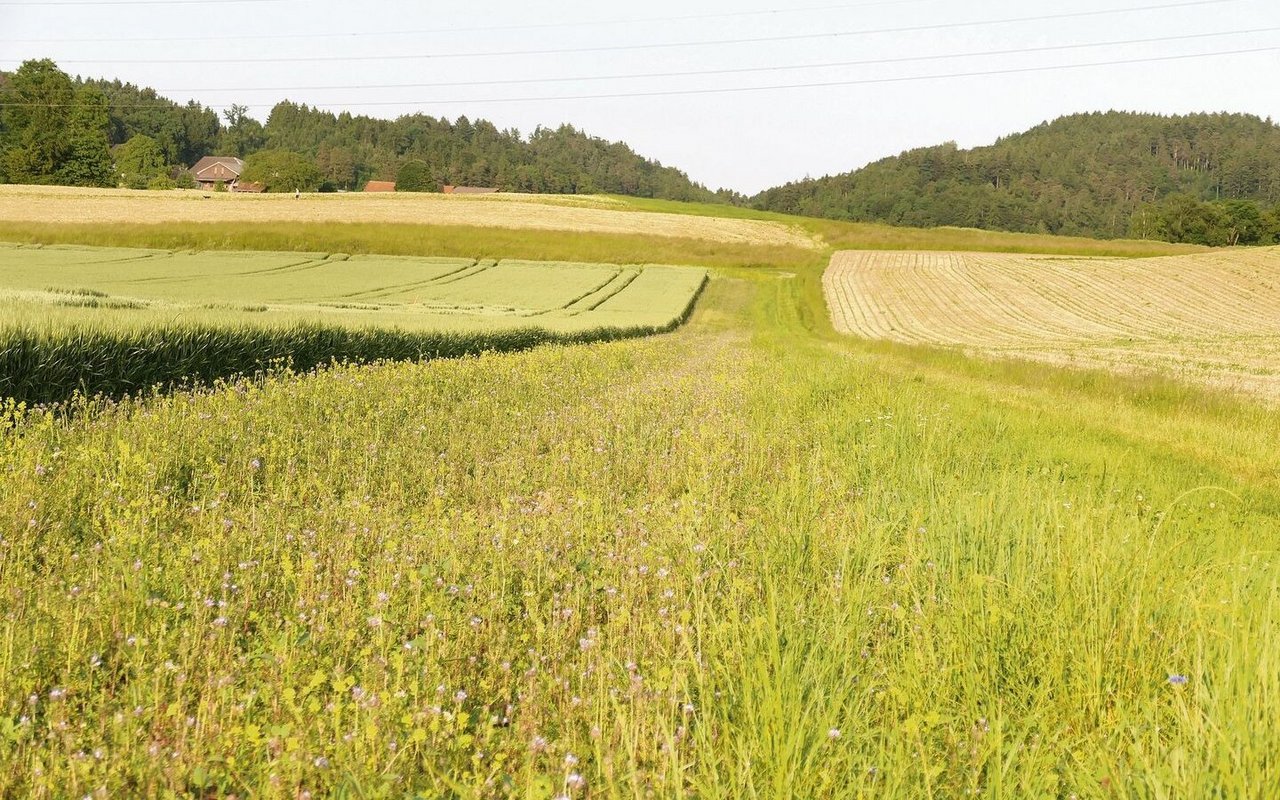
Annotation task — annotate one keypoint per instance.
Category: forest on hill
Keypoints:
(58, 129)
(1204, 178)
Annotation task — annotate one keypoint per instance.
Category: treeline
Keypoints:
(1219, 223)
(52, 130)
(351, 149)
(1105, 175)
(139, 138)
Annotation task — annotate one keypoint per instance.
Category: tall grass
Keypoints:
(738, 561)
(424, 240)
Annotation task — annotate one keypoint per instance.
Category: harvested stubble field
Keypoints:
(57, 204)
(1211, 318)
(108, 319)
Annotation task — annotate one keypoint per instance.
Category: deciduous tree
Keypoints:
(414, 176)
(139, 160)
(282, 171)
(54, 133)
(37, 116)
(243, 134)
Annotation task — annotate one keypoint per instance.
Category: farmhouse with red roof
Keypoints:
(213, 170)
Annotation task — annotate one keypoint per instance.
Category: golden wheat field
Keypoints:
(1213, 318)
(60, 204)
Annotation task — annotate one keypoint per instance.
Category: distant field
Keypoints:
(617, 230)
(840, 235)
(1213, 318)
(63, 308)
(55, 204)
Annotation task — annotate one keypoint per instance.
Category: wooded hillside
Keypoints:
(1104, 175)
(43, 107)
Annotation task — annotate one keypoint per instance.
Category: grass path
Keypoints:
(748, 559)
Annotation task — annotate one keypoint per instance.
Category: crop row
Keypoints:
(1177, 314)
(1001, 300)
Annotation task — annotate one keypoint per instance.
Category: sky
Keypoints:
(829, 86)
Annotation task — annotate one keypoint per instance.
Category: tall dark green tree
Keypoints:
(1244, 222)
(54, 133)
(1183, 218)
(1221, 223)
(338, 166)
(1271, 227)
(37, 117)
(88, 161)
(243, 134)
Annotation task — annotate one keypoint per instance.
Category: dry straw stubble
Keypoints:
(1212, 318)
(49, 204)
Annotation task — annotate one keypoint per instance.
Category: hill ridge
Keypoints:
(1088, 174)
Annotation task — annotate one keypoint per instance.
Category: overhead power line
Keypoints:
(663, 45)
(769, 88)
(834, 84)
(479, 29)
(731, 71)
(41, 4)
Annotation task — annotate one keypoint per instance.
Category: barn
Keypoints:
(211, 171)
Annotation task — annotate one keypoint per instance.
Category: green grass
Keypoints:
(316, 283)
(875, 236)
(418, 240)
(748, 559)
(840, 235)
(703, 209)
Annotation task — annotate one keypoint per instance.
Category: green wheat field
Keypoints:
(745, 558)
(104, 319)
